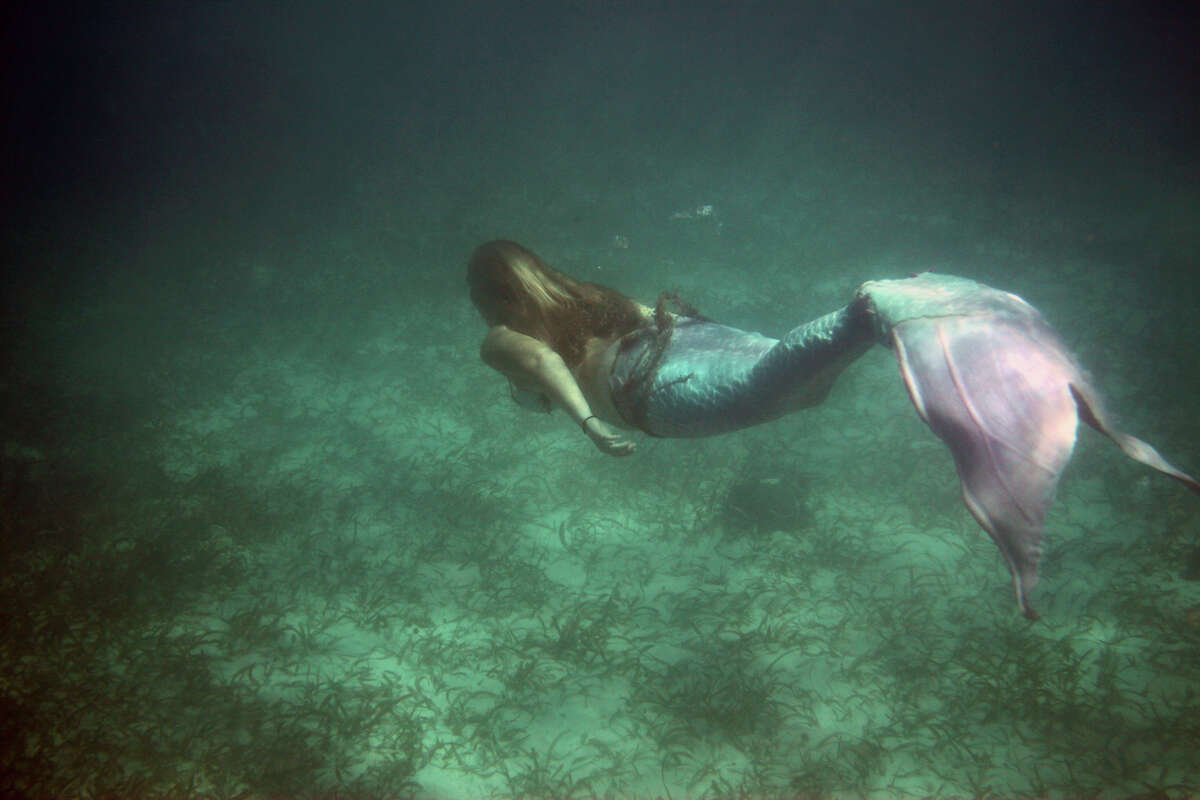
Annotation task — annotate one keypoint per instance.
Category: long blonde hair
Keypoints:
(511, 286)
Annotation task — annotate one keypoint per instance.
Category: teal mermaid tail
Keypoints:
(692, 377)
(983, 368)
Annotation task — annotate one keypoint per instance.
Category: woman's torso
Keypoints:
(592, 373)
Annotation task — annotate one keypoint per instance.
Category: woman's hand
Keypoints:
(603, 437)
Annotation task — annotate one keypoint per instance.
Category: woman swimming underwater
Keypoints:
(985, 371)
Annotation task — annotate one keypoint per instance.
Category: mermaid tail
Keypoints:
(992, 379)
(985, 371)
(693, 377)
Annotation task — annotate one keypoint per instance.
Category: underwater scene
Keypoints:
(271, 528)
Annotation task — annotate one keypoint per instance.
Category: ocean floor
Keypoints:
(283, 535)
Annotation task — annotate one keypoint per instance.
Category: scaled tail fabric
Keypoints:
(995, 383)
(983, 368)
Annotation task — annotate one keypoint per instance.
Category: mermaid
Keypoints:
(983, 368)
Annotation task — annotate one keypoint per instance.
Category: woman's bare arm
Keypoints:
(531, 364)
